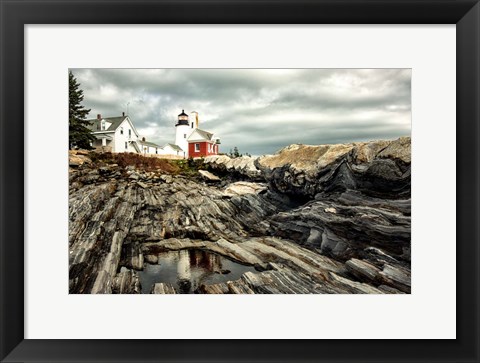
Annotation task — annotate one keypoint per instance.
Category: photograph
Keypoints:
(239, 181)
(244, 160)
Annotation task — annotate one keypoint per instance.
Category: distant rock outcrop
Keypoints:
(242, 167)
(376, 168)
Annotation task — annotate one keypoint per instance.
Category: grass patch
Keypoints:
(140, 162)
(189, 167)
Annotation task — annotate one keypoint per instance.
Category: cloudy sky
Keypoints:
(257, 110)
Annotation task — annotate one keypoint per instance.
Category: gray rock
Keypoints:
(323, 219)
(208, 176)
(126, 282)
(151, 259)
(143, 185)
(163, 288)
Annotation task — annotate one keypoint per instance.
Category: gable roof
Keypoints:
(115, 123)
(174, 147)
(147, 143)
(204, 135)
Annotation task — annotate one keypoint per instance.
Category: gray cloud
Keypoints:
(257, 110)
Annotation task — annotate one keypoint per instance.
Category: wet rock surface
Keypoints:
(309, 219)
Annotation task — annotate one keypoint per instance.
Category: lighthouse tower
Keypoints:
(182, 131)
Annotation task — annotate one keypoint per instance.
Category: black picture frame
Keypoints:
(15, 14)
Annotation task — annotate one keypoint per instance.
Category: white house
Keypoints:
(171, 149)
(149, 147)
(115, 134)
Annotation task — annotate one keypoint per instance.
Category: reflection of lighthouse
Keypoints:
(183, 272)
(183, 266)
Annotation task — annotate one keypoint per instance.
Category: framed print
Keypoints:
(362, 249)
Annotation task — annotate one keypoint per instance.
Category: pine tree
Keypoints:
(236, 153)
(79, 135)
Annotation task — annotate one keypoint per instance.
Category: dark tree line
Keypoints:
(236, 154)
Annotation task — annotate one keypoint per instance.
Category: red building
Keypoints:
(202, 143)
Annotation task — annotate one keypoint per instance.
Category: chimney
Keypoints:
(123, 114)
(143, 139)
(99, 117)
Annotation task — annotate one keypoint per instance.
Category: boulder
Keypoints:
(244, 166)
(208, 176)
(241, 188)
(77, 158)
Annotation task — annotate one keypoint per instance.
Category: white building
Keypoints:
(149, 147)
(183, 129)
(171, 149)
(115, 134)
(118, 134)
(187, 132)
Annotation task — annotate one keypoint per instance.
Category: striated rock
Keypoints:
(126, 282)
(208, 176)
(344, 231)
(241, 167)
(387, 275)
(376, 168)
(363, 270)
(77, 158)
(397, 277)
(108, 221)
(310, 219)
(142, 185)
(163, 288)
(399, 149)
(241, 188)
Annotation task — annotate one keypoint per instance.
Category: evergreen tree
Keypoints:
(79, 135)
(236, 153)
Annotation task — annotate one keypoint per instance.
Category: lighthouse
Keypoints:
(190, 141)
(182, 131)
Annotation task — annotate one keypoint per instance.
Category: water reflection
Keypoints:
(187, 270)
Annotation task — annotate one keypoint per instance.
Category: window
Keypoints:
(156, 150)
(192, 125)
(197, 147)
(126, 145)
(121, 130)
(184, 136)
(129, 133)
(103, 125)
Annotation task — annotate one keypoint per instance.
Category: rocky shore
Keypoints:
(310, 219)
